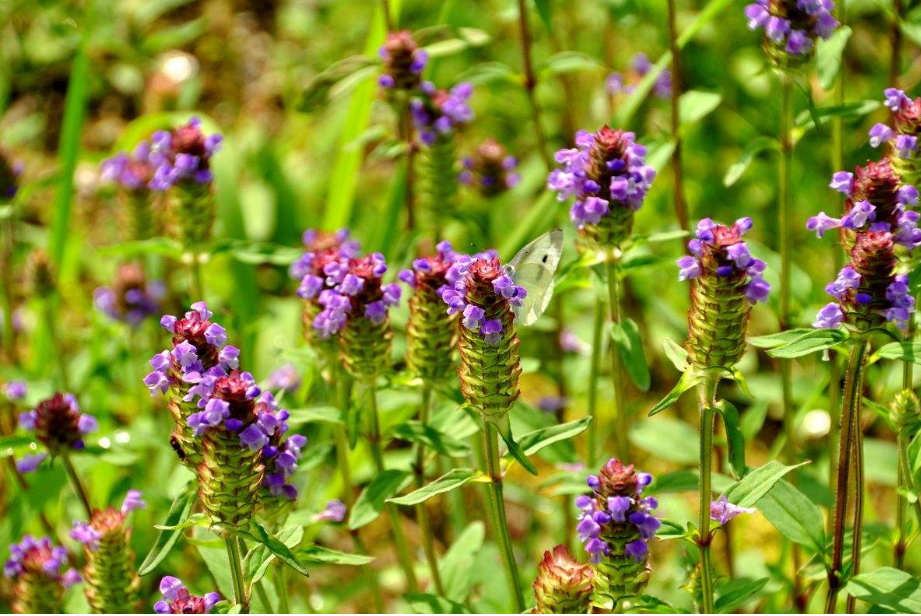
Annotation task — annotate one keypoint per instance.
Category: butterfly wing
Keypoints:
(534, 268)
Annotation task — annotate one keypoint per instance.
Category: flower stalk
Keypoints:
(530, 83)
(681, 208)
(707, 402)
(591, 450)
(622, 429)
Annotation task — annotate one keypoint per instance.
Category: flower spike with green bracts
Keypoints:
(563, 585)
(40, 575)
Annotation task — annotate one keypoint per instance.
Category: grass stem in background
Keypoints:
(681, 207)
(530, 83)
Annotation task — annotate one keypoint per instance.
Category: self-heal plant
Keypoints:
(131, 299)
(178, 600)
(902, 137)
(791, 28)
(403, 62)
(40, 575)
(563, 585)
(490, 170)
(110, 575)
(616, 522)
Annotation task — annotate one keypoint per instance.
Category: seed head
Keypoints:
(563, 584)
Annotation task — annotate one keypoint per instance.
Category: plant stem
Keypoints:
(77, 484)
(681, 208)
(859, 491)
(263, 596)
(399, 539)
(895, 43)
(595, 369)
(850, 413)
(502, 536)
(7, 243)
(425, 527)
(236, 573)
(51, 325)
(388, 17)
(530, 83)
(281, 588)
(198, 287)
(405, 131)
(903, 480)
(622, 444)
(706, 394)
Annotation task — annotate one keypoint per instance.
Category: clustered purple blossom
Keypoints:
(722, 511)
(167, 159)
(354, 287)
(611, 155)
(57, 422)
(178, 600)
(40, 556)
(463, 275)
(617, 501)
(445, 257)
(796, 22)
(403, 62)
(131, 299)
(280, 456)
(440, 112)
(89, 535)
(616, 83)
(722, 250)
(905, 112)
(490, 169)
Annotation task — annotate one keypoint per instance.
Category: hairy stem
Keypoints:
(502, 536)
(425, 526)
(681, 208)
(706, 394)
(530, 83)
(595, 369)
(622, 444)
(235, 558)
(77, 485)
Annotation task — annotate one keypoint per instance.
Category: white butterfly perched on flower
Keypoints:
(534, 268)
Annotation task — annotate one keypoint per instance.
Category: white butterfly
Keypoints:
(533, 268)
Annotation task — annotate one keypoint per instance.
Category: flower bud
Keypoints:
(905, 412)
(791, 28)
(39, 571)
(58, 423)
(727, 281)
(178, 600)
(431, 332)
(112, 582)
(131, 299)
(490, 170)
(563, 584)
(607, 175)
(615, 524)
(484, 295)
(403, 61)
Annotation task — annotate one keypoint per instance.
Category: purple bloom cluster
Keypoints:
(131, 299)
(617, 502)
(91, 532)
(403, 61)
(604, 170)
(490, 169)
(426, 268)
(168, 158)
(279, 455)
(439, 112)
(617, 83)
(794, 22)
(40, 557)
(465, 276)
(721, 250)
(354, 287)
(903, 138)
(58, 423)
(722, 511)
(178, 600)
(200, 354)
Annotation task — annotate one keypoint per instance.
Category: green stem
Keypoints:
(621, 431)
(904, 479)
(7, 243)
(595, 369)
(236, 573)
(706, 393)
(405, 134)
(77, 484)
(281, 588)
(263, 596)
(530, 83)
(681, 208)
(198, 287)
(859, 491)
(425, 527)
(58, 350)
(399, 539)
(905, 467)
(895, 43)
(852, 401)
(502, 536)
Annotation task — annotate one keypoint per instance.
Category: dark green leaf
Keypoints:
(669, 439)
(888, 588)
(452, 480)
(812, 342)
(319, 554)
(258, 559)
(317, 92)
(178, 512)
(7, 443)
(736, 593)
(748, 491)
(755, 146)
(900, 351)
(514, 449)
(795, 516)
(281, 551)
(196, 519)
(467, 38)
(687, 381)
(734, 438)
(371, 501)
(546, 16)
(445, 444)
(629, 343)
(695, 105)
(533, 442)
(316, 414)
(779, 339)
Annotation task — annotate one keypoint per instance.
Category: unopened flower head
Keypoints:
(440, 113)
(403, 61)
(791, 28)
(58, 423)
(563, 585)
(902, 137)
(607, 176)
(727, 281)
(40, 572)
(131, 298)
(490, 170)
(905, 413)
(616, 523)
(178, 600)
(618, 83)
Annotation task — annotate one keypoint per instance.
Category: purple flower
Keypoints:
(492, 331)
(757, 290)
(895, 99)
(16, 390)
(86, 534)
(335, 512)
(29, 463)
(688, 268)
(847, 279)
(879, 134)
(757, 16)
(133, 500)
(777, 28)
(178, 600)
(637, 550)
(552, 404)
(822, 223)
(829, 317)
(722, 510)
(906, 145)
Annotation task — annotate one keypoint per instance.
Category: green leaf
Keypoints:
(8, 443)
(734, 438)
(546, 16)
(533, 442)
(569, 62)
(445, 444)
(687, 381)
(755, 146)
(626, 336)
(487, 72)
(695, 105)
(779, 339)
(457, 565)
(888, 588)
(514, 449)
(319, 554)
(814, 341)
(371, 501)
(828, 56)
(857, 109)
(178, 512)
(736, 593)
(257, 560)
(795, 516)
(196, 519)
(900, 351)
(752, 488)
(676, 354)
(451, 480)
(316, 414)
(466, 38)
(281, 551)
(433, 604)
(318, 90)
(666, 438)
